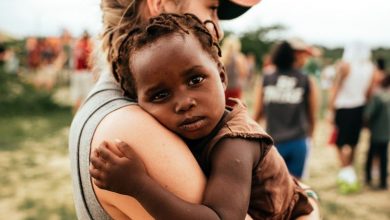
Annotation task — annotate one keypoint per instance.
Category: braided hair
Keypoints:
(157, 27)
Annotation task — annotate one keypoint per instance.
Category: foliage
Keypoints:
(18, 46)
(258, 41)
(383, 53)
(332, 54)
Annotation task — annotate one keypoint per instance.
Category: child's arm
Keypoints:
(226, 196)
(312, 105)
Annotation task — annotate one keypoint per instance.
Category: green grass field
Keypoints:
(34, 167)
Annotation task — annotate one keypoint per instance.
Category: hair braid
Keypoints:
(162, 25)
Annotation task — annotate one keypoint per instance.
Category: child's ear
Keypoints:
(223, 76)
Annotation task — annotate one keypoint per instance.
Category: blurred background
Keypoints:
(44, 42)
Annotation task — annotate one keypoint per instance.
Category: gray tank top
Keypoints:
(104, 98)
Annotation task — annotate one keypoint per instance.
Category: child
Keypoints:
(377, 114)
(172, 68)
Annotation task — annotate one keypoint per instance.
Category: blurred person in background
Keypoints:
(380, 72)
(11, 61)
(2, 55)
(65, 56)
(268, 66)
(327, 76)
(348, 96)
(236, 68)
(312, 64)
(8, 60)
(81, 81)
(252, 70)
(33, 49)
(377, 117)
(46, 76)
(107, 115)
(286, 100)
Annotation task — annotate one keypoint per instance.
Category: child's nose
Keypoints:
(184, 104)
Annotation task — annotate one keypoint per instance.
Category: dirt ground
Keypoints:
(367, 204)
(35, 179)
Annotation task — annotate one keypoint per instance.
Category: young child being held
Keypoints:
(171, 67)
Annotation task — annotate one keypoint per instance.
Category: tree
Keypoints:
(259, 41)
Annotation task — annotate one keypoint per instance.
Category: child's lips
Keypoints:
(193, 123)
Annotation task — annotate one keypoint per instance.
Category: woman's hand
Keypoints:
(121, 174)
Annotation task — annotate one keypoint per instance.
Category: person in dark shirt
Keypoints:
(287, 102)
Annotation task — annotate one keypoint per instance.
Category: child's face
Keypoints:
(180, 85)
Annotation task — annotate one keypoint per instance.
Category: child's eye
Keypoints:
(195, 80)
(160, 96)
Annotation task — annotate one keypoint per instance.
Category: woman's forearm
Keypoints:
(166, 157)
(162, 204)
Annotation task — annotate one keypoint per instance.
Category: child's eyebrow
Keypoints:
(151, 90)
(192, 69)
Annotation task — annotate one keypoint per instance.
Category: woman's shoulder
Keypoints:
(131, 118)
(134, 126)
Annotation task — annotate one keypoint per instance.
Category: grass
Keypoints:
(34, 167)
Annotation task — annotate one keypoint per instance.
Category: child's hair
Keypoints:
(381, 64)
(157, 27)
(283, 56)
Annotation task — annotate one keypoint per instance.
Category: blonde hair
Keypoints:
(231, 45)
(119, 16)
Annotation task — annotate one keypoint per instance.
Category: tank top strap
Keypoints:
(103, 99)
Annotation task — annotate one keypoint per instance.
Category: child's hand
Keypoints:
(122, 175)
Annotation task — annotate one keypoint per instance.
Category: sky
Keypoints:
(330, 23)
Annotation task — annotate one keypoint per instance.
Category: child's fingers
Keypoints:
(94, 153)
(105, 153)
(125, 149)
(114, 149)
(95, 173)
(99, 184)
(97, 163)
(104, 144)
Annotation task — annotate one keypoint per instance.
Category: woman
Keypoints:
(287, 101)
(107, 115)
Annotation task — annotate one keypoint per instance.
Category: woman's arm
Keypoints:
(231, 162)
(166, 157)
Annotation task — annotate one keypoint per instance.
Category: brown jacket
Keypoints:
(275, 194)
